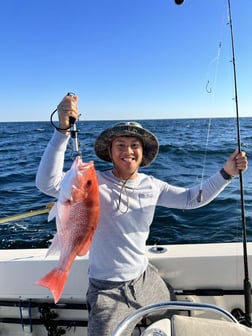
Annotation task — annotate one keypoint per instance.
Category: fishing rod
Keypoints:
(27, 214)
(246, 319)
(246, 281)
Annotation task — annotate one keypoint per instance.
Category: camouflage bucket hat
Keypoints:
(130, 129)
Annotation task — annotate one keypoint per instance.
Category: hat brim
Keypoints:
(149, 140)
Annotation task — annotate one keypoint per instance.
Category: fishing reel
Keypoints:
(241, 317)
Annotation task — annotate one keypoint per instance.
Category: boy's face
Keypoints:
(126, 154)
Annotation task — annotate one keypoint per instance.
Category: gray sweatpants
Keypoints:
(110, 302)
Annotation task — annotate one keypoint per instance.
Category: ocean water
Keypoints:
(186, 156)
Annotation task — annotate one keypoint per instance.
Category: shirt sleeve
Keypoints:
(50, 171)
(192, 198)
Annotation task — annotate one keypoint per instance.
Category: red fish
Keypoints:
(77, 215)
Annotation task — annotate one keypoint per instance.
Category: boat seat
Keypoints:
(193, 326)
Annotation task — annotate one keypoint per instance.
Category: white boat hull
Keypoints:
(209, 273)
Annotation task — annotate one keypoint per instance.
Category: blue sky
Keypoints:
(125, 59)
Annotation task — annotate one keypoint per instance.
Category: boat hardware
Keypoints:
(48, 317)
(158, 249)
(35, 304)
(209, 292)
(29, 313)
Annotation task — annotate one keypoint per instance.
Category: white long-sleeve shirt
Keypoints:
(117, 252)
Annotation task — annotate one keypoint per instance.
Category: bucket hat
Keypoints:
(130, 129)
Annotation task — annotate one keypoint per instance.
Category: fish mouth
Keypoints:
(85, 166)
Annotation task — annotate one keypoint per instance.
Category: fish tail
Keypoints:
(55, 282)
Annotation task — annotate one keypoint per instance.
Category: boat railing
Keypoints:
(140, 313)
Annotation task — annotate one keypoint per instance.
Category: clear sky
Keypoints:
(125, 59)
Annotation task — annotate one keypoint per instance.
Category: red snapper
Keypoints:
(77, 215)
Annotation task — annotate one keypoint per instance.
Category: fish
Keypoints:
(77, 214)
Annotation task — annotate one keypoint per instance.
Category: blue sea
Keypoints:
(190, 149)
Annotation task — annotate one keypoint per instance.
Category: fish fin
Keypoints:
(55, 282)
(63, 213)
(54, 247)
(52, 213)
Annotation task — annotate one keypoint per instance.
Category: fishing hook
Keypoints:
(208, 90)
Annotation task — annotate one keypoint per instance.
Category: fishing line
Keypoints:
(210, 89)
(246, 282)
